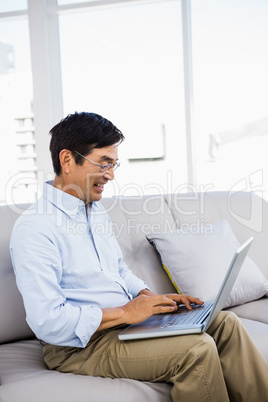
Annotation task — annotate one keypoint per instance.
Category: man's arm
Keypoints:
(38, 267)
(144, 306)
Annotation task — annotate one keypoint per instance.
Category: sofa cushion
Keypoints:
(256, 310)
(197, 261)
(259, 334)
(25, 378)
(246, 212)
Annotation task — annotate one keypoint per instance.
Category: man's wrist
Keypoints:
(146, 292)
(112, 316)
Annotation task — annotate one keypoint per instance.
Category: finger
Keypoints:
(186, 301)
(163, 300)
(195, 300)
(164, 309)
(178, 298)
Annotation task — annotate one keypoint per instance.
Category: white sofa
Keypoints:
(23, 374)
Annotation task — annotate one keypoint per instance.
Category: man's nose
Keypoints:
(109, 174)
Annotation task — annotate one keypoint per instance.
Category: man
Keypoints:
(79, 294)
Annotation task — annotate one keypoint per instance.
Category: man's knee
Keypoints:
(201, 347)
(225, 327)
(208, 343)
(227, 319)
(228, 315)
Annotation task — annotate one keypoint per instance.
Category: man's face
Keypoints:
(88, 180)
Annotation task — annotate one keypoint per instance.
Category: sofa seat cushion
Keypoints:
(259, 334)
(255, 310)
(24, 377)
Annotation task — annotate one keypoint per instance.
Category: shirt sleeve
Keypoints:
(38, 268)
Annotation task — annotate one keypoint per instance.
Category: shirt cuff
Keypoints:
(137, 287)
(89, 322)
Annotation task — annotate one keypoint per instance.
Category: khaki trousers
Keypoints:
(219, 366)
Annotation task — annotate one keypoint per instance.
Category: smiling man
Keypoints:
(86, 182)
(75, 138)
(79, 294)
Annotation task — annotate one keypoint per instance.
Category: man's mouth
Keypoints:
(100, 186)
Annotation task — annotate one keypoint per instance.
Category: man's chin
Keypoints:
(95, 197)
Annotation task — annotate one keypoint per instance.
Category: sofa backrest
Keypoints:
(13, 325)
(133, 218)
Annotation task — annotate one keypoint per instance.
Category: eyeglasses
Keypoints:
(103, 168)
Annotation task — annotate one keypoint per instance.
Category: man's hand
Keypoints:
(178, 298)
(144, 306)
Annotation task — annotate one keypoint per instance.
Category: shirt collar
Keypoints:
(65, 202)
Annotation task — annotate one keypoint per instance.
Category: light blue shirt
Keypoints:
(68, 267)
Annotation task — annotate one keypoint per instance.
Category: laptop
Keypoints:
(193, 321)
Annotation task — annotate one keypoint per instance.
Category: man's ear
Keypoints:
(66, 160)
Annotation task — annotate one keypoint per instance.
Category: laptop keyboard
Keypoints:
(184, 316)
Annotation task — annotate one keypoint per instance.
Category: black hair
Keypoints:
(82, 132)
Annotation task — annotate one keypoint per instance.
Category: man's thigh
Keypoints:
(154, 359)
